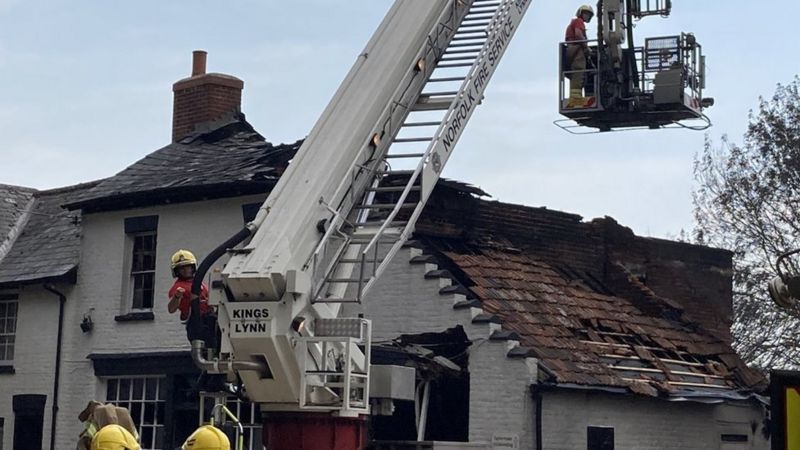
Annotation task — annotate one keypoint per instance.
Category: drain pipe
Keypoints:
(224, 366)
(62, 299)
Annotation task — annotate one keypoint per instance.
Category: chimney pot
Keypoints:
(199, 62)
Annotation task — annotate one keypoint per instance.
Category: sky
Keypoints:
(86, 90)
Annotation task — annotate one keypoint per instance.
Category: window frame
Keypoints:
(136, 228)
(8, 299)
(160, 399)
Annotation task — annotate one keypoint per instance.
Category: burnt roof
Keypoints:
(227, 158)
(47, 247)
(562, 288)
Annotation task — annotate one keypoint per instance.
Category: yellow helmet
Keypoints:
(583, 9)
(182, 258)
(114, 437)
(207, 437)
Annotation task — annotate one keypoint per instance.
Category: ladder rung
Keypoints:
(422, 124)
(343, 280)
(478, 16)
(459, 58)
(481, 25)
(429, 104)
(482, 9)
(446, 79)
(396, 172)
(438, 94)
(478, 45)
(392, 189)
(461, 52)
(414, 139)
(405, 155)
(385, 206)
(358, 261)
(470, 38)
(337, 300)
(449, 65)
(378, 224)
(480, 34)
(384, 240)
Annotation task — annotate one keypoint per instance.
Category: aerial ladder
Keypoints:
(345, 206)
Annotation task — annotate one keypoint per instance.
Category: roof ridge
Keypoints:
(71, 188)
(22, 188)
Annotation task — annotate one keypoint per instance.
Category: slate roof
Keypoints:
(554, 284)
(226, 158)
(48, 246)
(14, 202)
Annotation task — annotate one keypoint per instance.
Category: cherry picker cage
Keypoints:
(658, 85)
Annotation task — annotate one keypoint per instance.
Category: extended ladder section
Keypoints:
(388, 184)
(349, 200)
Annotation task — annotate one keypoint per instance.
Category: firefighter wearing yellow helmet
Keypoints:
(182, 258)
(207, 437)
(184, 266)
(114, 437)
(577, 51)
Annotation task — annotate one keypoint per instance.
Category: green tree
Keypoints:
(748, 200)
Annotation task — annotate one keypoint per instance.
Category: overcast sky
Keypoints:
(85, 91)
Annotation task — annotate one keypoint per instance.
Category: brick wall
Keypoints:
(698, 278)
(204, 98)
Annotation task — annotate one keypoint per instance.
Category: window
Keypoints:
(247, 413)
(145, 398)
(600, 438)
(8, 327)
(142, 233)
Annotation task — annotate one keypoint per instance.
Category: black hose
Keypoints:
(194, 326)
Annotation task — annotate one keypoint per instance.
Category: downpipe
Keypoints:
(62, 299)
(224, 366)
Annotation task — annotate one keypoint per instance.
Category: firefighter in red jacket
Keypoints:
(184, 266)
(577, 51)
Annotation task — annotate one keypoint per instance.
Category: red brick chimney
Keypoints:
(203, 97)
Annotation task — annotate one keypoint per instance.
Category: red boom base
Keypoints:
(313, 431)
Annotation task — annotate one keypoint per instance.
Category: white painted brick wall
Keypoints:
(197, 226)
(34, 358)
(645, 424)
